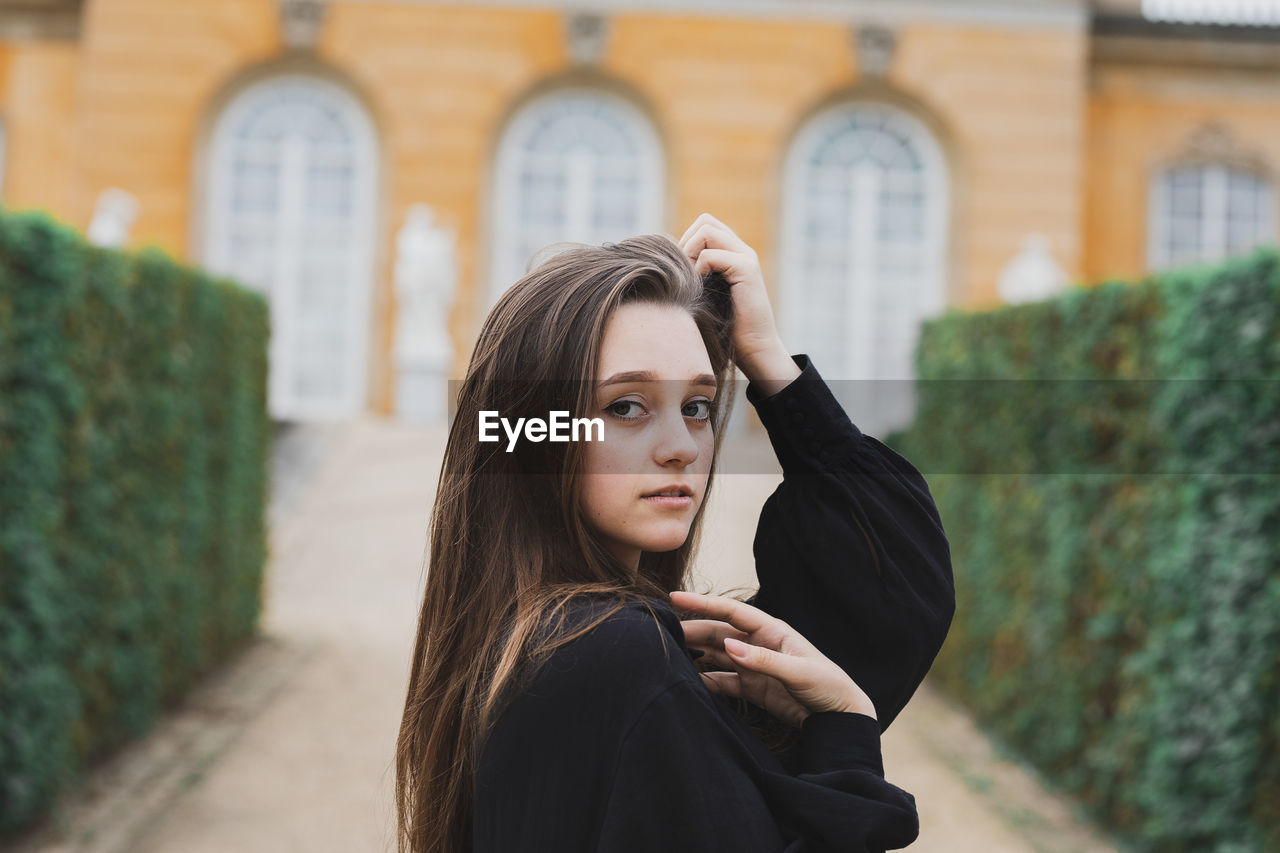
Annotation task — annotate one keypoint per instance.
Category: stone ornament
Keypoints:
(874, 49)
(1213, 143)
(300, 22)
(586, 33)
(425, 279)
(1033, 274)
(426, 273)
(113, 214)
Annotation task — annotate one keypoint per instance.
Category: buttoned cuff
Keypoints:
(839, 740)
(807, 426)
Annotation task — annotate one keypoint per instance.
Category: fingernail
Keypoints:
(735, 647)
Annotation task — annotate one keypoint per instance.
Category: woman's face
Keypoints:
(654, 394)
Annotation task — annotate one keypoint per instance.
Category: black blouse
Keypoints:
(617, 745)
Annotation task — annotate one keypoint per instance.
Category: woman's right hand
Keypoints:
(778, 669)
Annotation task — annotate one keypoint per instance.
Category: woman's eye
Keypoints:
(620, 409)
(698, 409)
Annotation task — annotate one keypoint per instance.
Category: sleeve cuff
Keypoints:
(839, 740)
(807, 426)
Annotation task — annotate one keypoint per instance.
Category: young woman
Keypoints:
(554, 702)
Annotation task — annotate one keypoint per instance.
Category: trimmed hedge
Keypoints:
(134, 439)
(1116, 541)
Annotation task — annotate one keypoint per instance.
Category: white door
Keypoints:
(863, 254)
(292, 177)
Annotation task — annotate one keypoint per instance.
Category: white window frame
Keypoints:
(504, 269)
(285, 403)
(931, 294)
(1213, 212)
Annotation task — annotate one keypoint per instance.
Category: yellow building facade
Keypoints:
(964, 127)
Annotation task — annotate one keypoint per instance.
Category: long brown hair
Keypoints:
(510, 548)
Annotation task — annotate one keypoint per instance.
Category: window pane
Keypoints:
(1246, 211)
(579, 172)
(1191, 196)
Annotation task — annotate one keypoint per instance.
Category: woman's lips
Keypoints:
(669, 501)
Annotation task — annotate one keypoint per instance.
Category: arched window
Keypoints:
(290, 211)
(863, 248)
(579, 165)
(1207, 212)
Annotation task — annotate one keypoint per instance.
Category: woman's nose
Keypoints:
(675, 442)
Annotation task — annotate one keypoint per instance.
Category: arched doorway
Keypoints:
(863, 249)
(291, 183)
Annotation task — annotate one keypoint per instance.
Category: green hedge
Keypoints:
(1116, 542)
(133, 474)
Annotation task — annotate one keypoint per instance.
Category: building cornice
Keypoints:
(40, 19)
(1072, 14)
(1124, 39)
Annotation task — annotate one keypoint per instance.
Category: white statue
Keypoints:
(112, 215)
(425, 276)
(425, 279)
(1033, 274)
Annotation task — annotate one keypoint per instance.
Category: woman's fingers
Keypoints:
(709, 632)
(776, 701)
(716, 658)
(778, 668)
(689, 231)
(789, 669)
(718, 259)
(713, 246)
(750, 623)
(703, 219)
(708, 635)
(707, 232)
(739, 614)
(724, 683)
(814, 683)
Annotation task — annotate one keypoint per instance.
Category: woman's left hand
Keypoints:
(758, 348)
(766, 661)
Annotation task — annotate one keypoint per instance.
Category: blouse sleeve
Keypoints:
(850, 549)
(663, 798)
